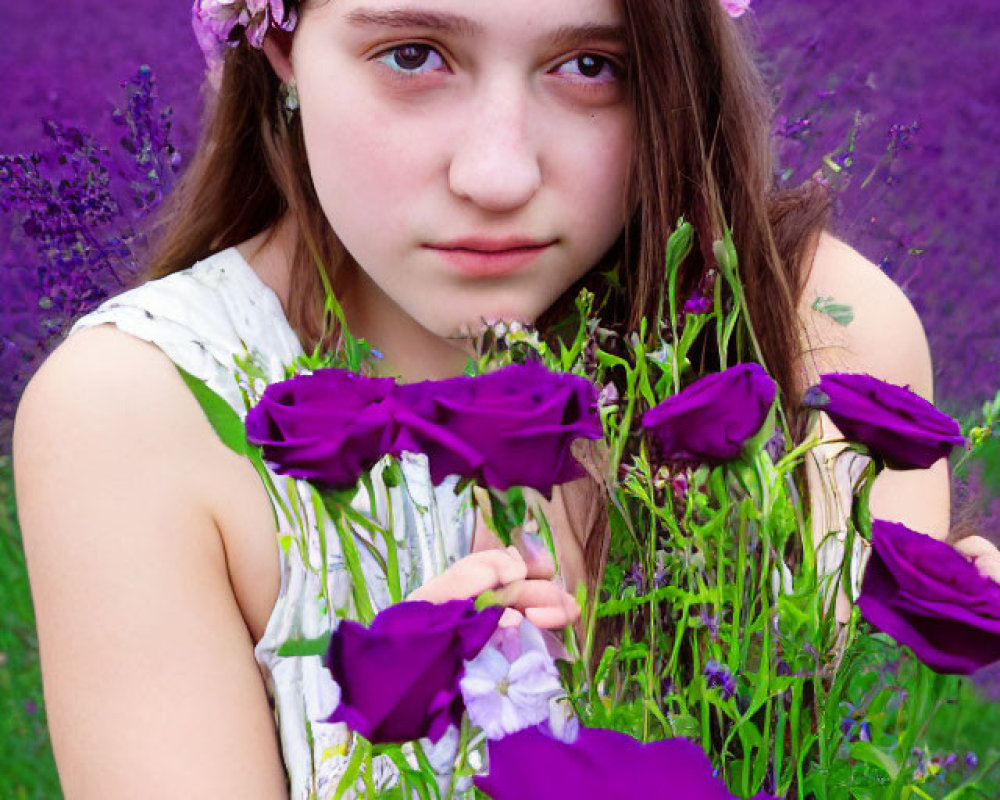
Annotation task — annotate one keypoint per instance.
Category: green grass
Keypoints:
(27, 770)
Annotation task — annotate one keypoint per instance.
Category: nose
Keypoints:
(495, 164)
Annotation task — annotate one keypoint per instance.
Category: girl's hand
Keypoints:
(521, 579)
(982, 553)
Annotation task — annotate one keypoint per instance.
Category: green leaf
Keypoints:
(223, 418)
(840, 313)
(293, 648)
(870, 754)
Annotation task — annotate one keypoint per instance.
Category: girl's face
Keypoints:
(471, 155)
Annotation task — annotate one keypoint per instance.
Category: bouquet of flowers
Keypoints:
(710, 661)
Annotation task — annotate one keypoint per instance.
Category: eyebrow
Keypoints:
(565, 36)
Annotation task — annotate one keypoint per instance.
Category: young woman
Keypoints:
(448, 161)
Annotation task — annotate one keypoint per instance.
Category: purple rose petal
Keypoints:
(533, 765)
(512, 427)
(712, 419)
(327, 427)
(399, 677)
(896, 424)
(927, 596)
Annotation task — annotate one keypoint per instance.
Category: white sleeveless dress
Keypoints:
(204, 318)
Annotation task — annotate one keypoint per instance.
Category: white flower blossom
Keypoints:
(506, 693)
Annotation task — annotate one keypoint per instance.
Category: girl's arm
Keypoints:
(886, 339)
(151, 687)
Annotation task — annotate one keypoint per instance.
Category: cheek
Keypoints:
(365, 169)
(592, 163)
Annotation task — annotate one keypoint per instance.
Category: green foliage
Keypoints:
(27, 770)
(721, 626)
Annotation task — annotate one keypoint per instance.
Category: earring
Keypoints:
(289, 94)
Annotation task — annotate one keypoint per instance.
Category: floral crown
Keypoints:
(221, 24)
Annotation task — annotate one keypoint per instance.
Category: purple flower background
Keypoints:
(922, 74)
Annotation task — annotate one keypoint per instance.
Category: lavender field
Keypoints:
(896, 103)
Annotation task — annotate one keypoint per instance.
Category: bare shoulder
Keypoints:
(107, 399)
(885, 337)
(142, 641)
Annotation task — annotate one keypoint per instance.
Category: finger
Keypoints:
(549, 618)
(526, 594)
(983, 554)
(473, 575)
(511, 618)
(536, 555)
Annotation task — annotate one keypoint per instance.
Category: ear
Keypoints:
(277, 47)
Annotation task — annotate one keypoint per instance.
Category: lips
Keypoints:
(481, 257)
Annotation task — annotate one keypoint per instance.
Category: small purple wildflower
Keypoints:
(718, 676)
(698, 304)
(636, 577)
(815, 398)
(775, 446)
(680, 485)
(854, 726)
(30, 707)
(971, 760)
(659, 576)
(711, 623)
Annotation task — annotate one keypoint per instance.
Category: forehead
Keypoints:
(556, 21)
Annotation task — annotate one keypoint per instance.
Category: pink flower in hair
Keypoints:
(262, 15)
(219, 24)
(736, 8)
(213, 22)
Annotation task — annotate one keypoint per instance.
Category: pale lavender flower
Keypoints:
(608, 395)
(511, 683)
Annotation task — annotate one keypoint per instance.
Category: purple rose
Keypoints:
(512, 427)
(712, 419)
(399, 677)
(925, 595)
(902, 428)
(328, 427)
(533, 765)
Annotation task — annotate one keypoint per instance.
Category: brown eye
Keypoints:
(412, 59)
(411, 56)
(590, 66)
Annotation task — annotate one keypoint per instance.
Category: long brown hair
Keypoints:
(702, 151)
